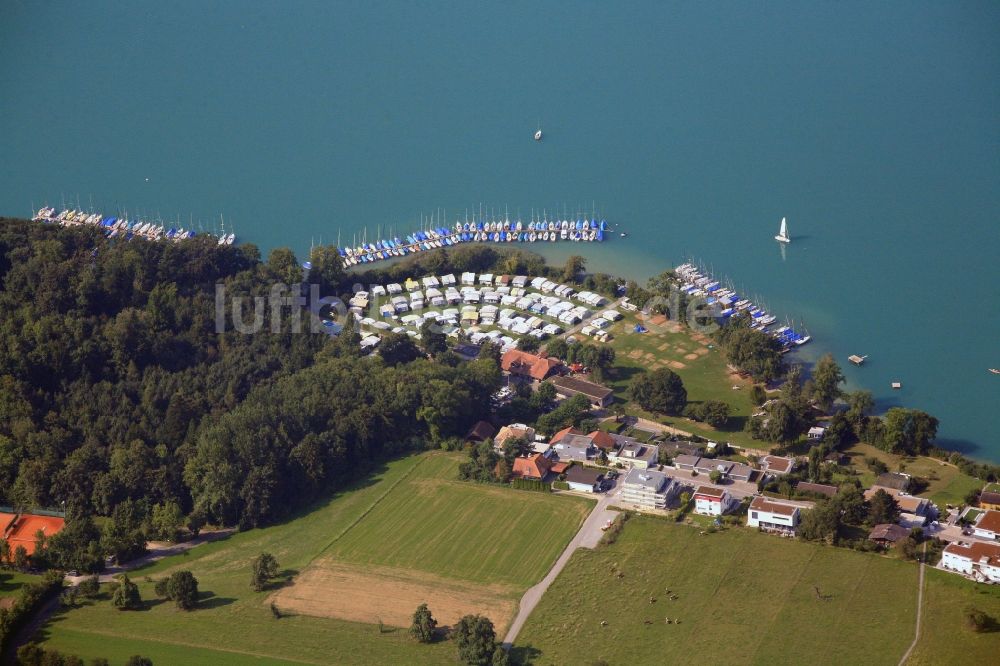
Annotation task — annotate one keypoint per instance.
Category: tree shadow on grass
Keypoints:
(210, 600)
(524, 654)
(285, 578)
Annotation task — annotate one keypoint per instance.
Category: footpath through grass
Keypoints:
(410, 513)
(944, 636)
(742, 597)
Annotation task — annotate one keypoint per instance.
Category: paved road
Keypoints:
(157, 551)
(588, 537)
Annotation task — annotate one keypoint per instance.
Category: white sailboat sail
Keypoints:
(783, 233)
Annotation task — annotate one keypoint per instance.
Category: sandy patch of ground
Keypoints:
(701, 351)
(658, 320)
(656, 366)
(635, 354)
(677, 365)
(664, 347)
(649, 357)
(691, 357)
(366, 593)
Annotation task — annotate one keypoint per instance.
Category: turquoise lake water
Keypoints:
(696, 126)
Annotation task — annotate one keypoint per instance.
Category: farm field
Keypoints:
(236, 626)
(947, 484)
(703, 370)
(742, 597)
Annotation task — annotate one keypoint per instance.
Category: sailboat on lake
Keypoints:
(783, 236)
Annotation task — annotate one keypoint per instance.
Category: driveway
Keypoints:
(157, 551)
(587, 537)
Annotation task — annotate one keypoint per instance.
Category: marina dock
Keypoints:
(698, 282)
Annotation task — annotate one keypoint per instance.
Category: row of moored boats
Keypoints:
(696, 283)
(492, 231)
(120, 227)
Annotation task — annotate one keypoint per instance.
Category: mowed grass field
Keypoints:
(944, 638)
(11, 582)
(235, 626)
(702, 368)
(743, 598)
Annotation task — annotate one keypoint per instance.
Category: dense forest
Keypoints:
(119, 398)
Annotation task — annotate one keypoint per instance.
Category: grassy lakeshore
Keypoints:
(946, 483)
(700, 364)
(411, 516)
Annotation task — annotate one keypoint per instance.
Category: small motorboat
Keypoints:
(538, 134)
(624, 235)
(995, 371)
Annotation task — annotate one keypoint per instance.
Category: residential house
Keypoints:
(480, 432)
(599, 396)
(987, 526)
(914, 511)
(887, 534)
(523, 364)
(777, 465)
(708, 465)
(977, 559)
(575, 447)
(686, 462)
(555, 439)
(603, 440)
(648, 489)
(989, 500)
(773, 516)
(815, 433)
(635, 454)
(535, 467)
(817, 489)
(584, 479)
(894, 480)
(711, 501)
(514, 431)
(740, 472)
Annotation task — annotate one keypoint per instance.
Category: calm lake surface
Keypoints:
(695, 126)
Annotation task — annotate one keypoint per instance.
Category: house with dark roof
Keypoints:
(894, 480)
(480, 432)
(530, 366)
(584, 479)
(575, 447)
(887, 534)
(686, 462)
(989, 500)
(817, 488)
(567, 387)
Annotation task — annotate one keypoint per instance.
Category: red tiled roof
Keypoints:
(989, 521)
(532, 467)
(562, 433)
(519, 362)
(975, 551)
(778, 463)
(559, 467)
(602, 440)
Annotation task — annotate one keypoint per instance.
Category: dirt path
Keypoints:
(588, 536)
(157, 551)
(920, 607)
